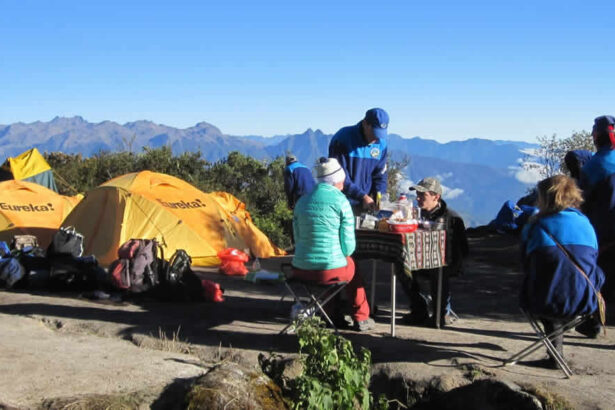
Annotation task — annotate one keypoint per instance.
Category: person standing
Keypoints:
(323, 225)
(298, 180)
(598, 185)
(361, 150)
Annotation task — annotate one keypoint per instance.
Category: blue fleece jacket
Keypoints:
(598, 184)
(364, 164)
(552, 285)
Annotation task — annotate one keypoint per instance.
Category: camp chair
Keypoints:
(545, 340)
(310, 296)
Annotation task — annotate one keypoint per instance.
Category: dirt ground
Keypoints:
(64, 345)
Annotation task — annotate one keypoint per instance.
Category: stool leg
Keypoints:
(372, 297)
(438, 310)
(393, 295)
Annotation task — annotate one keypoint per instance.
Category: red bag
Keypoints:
(212, 291)
(233, 262)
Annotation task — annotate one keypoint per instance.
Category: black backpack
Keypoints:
(178, 266)
(179, 282)
(66, 242)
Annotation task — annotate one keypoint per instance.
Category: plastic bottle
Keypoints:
(404, 206)
(256, 265)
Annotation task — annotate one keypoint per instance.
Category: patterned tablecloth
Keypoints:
(420, 249)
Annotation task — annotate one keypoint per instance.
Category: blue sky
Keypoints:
(443, 70)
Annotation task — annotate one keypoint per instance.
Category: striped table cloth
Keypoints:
(421, 249)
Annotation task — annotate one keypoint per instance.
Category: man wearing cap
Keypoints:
(298, 180)
(323, 225)
(361, 149)
(598, 185)
(435, 210)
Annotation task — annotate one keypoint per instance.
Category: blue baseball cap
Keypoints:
(378, 119)
(602, 122)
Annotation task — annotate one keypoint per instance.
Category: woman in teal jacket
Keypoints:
(323, 227)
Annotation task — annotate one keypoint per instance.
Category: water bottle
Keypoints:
(256, 266)
(403, 206)
(295, 310)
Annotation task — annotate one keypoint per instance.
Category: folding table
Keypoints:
(408, 252)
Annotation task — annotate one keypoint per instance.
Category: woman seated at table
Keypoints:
(558, 243)
(323, 226)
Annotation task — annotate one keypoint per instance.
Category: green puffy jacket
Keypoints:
(323, 226)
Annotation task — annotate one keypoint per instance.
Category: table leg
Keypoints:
(438, 308)
(393, 294)
(372, 297)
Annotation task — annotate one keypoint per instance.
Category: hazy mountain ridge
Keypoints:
(476, 172)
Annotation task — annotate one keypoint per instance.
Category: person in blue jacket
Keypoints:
(575, 160)
(298, 180)
(553, 289)
(361, 149)
(598, 184)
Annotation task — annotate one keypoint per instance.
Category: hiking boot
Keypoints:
(413, 319)
(365, 325)
(590, 328)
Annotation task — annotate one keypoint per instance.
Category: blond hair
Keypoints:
(558, 193)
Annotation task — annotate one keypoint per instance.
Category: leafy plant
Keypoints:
(334, 377)
(548, 158)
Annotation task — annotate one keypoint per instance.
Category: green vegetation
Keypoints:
(259, 184)
(333, 376)
(551, 152)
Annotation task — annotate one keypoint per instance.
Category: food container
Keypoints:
(403, 227)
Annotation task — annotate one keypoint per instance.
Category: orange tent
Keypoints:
(27, 208)
(180, 216)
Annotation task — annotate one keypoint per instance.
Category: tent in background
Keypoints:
(151, 205)
(29, 166)
(27, 208)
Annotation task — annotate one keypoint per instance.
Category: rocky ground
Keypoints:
(58, 348)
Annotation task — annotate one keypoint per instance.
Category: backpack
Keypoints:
(138, 267)
(11, 271)
(22, 241)
(178, 266)
(65, 242)
(179, 283)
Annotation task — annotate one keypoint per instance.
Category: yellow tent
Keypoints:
(27, 208)
(152, 205)
(29, 166)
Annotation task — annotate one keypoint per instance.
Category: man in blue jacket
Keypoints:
(361, 150)
(598, 184)
(298, 180)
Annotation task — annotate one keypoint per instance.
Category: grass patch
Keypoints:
(549, 400)
(98, 402)
(163, 342)
(474, 372)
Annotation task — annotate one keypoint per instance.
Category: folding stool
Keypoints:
(545, 340)
(311, 296)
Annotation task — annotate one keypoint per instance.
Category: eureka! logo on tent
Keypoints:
(26, 208)
(197, 203)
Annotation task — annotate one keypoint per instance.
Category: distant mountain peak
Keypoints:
(310, 132)
(68, 120)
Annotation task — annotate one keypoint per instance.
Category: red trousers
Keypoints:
(355, 289)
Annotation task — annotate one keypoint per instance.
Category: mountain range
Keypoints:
(478, 174)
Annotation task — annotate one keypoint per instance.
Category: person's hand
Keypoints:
(368, 203)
